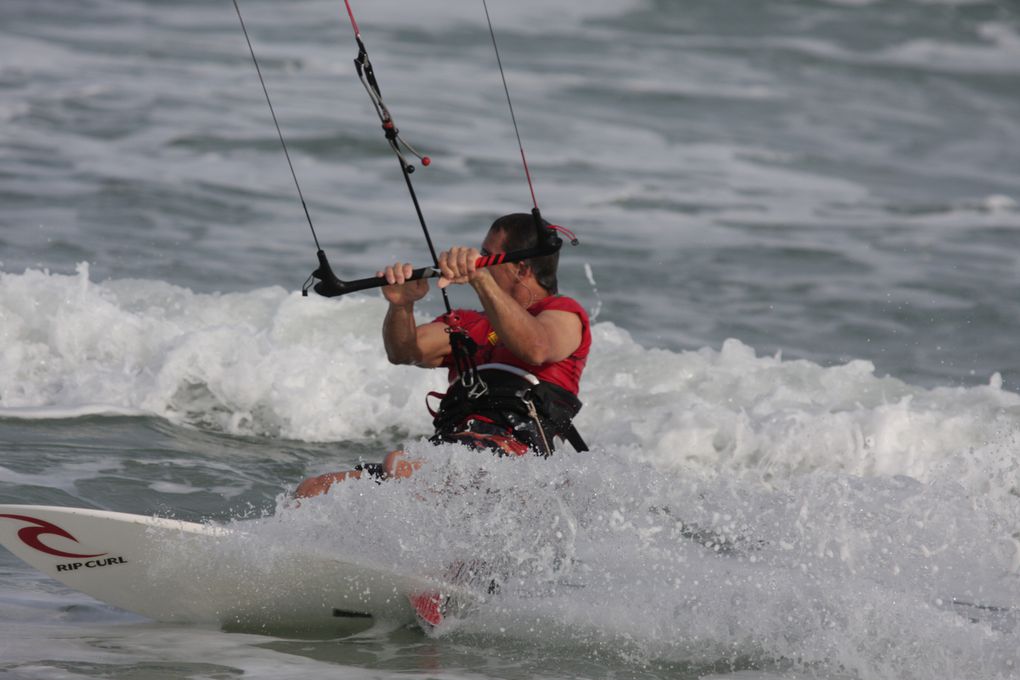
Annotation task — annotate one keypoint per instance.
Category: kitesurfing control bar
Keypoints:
(330, 285)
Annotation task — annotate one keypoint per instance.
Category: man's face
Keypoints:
(504, 274)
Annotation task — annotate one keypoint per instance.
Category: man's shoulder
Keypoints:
(561, 303)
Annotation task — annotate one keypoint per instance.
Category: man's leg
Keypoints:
(315, 486)
(394, 466)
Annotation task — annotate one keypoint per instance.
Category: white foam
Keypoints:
(998, 54)
(172, 488)
(269, 362)
(822, 569)
(999, 204)
(530, 15)
(733, 505)
(731, 410)
(60, 413)
(261, 362)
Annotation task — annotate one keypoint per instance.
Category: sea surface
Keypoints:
(800, 248)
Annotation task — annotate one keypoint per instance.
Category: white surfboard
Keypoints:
(171, 570)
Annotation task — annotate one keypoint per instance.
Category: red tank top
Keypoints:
(565, 373)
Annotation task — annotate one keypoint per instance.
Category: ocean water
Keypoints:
(800, 245)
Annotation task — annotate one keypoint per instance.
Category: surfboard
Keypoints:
(176, 571)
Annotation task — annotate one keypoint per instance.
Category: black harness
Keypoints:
(533, 412)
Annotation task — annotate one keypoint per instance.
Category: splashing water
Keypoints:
(734, 508)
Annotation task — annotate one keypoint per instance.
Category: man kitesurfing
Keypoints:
(530, 347)
(515, 366)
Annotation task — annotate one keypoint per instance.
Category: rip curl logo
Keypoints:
(30, 536)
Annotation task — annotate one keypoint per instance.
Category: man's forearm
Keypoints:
(520, 332)
(400, 335)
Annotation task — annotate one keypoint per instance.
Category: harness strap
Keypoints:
(463, 349)
(574, 438)
(535, 411)
(439, 395)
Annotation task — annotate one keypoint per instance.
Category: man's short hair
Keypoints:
(520, 233)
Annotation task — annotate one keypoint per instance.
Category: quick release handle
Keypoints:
(330, 285)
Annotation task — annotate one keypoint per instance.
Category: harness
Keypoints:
(533, 411)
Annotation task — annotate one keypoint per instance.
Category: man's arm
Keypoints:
(405, 341)
(408, 343)
(551, 336)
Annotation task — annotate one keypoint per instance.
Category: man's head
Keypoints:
(516, 231)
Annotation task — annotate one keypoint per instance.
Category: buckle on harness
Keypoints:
(475, 386)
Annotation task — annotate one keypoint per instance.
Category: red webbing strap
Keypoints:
(438, 395)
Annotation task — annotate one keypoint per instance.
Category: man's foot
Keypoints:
(429, 609)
